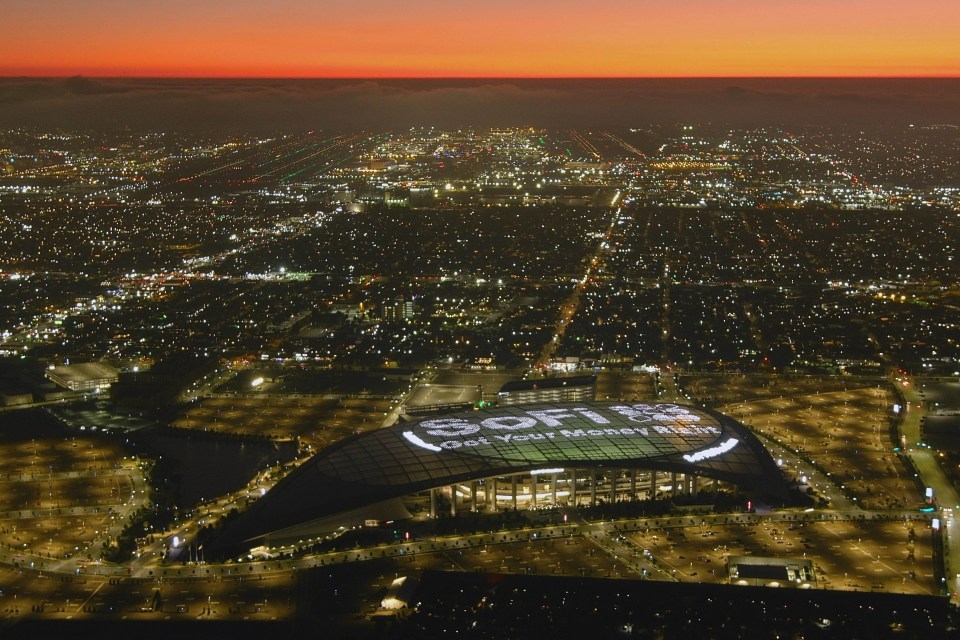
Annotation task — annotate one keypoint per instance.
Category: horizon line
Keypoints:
(481, 77)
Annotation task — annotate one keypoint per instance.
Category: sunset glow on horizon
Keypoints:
(433, 38)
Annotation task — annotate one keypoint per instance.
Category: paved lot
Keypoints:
(490, 381)
(318, 420)
(441, 394)
(62, 494)
(844, 432)
(625, 385)
(878, 554)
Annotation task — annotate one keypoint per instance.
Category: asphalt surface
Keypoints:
(931, 474)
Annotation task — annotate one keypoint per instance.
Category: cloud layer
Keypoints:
(269, 105)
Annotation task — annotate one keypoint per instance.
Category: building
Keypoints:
(400, 593)
(88, 376)
(15, 398)
(566, 389)
(771, 572)
(398, 310)
(509, 458)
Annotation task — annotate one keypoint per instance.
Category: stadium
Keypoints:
(513, 457)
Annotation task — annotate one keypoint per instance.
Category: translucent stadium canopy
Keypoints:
(587, 434)
(439, 450)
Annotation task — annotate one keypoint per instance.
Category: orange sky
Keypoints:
(492, 38)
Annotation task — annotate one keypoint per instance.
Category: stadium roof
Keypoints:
(410, 457)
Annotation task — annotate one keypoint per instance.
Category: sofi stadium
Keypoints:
(512, 457)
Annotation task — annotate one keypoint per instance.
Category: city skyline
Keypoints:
(427, 39)
(498, 320)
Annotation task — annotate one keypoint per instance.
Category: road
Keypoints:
(571, 305)
(421, 378)
(206, 386)
(931, 474)
(600, 532)
(210, 591)
(667, 390)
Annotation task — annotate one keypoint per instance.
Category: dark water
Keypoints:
(208, 466)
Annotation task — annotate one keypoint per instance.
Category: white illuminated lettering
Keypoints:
(712, 452)
(549, 416)
(660, 412)
(665, 420)
(593, 415)
(449, 427)
(632, 413)
(409, 435)
(676, 412)
(504, 422)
